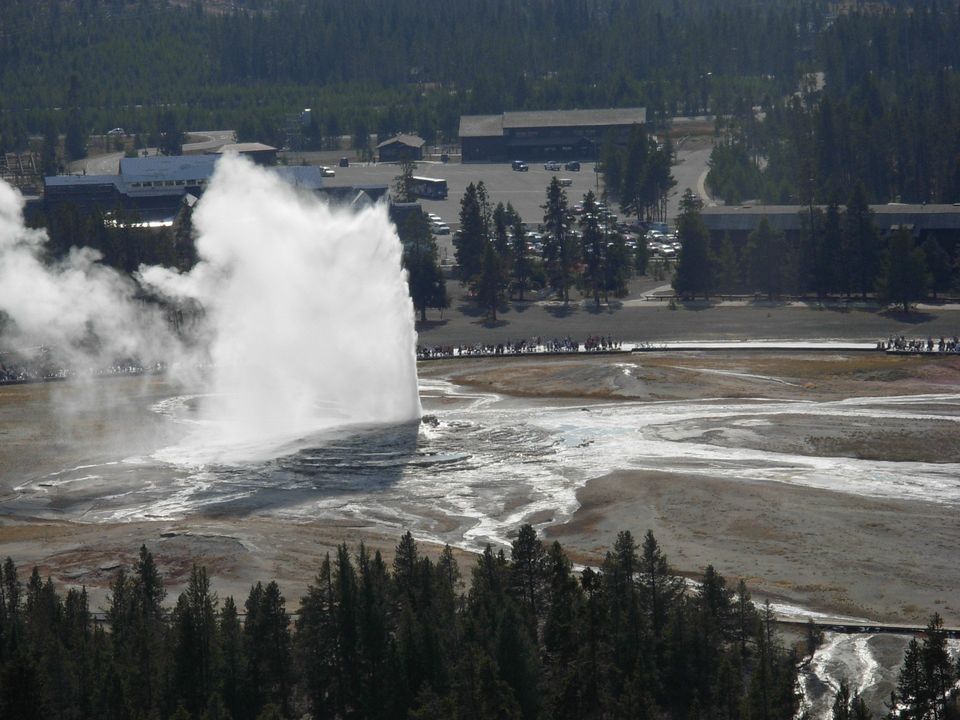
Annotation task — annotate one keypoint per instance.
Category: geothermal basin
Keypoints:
(829, 481)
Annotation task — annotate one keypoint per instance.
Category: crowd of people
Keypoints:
(536, 345)
(919, 345)
(43, 368)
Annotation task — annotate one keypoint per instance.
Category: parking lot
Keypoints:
(527, 191)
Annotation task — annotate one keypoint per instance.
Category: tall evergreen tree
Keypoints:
(593, 248)
(424, 277)
(521, 257)
(474, 234)
(861, 244)
(693, 276)
(904, 279)
(558, 254)
(939, 267)
(765, 256)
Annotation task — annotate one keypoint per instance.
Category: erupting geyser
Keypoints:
(309, 319)
(307, 323)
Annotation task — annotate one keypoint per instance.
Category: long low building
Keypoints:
(545, 135)
(154, 187)
(738, 221)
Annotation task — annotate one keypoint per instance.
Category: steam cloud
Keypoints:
(86, 311)
(307, 320)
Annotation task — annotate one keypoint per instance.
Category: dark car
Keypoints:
(519, 165)
(572, 165)
(344, 162)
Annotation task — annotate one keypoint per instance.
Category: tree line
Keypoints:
(838, 252)
(578, 248)
(884, 115)
(527, 638)
(378, 66)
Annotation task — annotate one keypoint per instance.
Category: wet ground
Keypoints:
(758, 440)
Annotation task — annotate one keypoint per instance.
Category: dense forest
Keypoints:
(884, 113)
(526, 638)
(381, 66)
(810, 95)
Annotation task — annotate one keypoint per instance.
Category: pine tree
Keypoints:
(939, 672)
(403, 183)
(195, 642)
(912, 692)
(474, 232)
(521, 258)
(488, 285)
(693, 276)
(593, 248)
(528, 574)
(424, 277)
(861, 249)
(904, 279)
(841, 702)
(558, 255)
(232, 660)
(939, 268)
(765, 256)
(659, 588)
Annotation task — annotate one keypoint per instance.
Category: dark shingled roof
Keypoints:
(409, 140)
(494, 125)
(575, 118)
(481, 125)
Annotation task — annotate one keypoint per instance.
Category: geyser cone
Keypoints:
(309, 320)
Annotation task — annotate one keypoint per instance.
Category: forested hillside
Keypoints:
(887, 116)
(380, 65)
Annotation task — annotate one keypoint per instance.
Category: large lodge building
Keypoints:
(941, 222)
(546, 135)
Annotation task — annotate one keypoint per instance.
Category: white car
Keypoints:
(440, 228)
(434, 218)
(552, 165)
(327, 171)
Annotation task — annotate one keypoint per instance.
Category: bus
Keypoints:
(432, 188)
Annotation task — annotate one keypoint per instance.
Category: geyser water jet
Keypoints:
(307, 314)
(307, 323)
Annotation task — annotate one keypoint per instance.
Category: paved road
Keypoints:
(652, 321)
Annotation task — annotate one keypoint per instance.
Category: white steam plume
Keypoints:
(309, 319)
(86, 311)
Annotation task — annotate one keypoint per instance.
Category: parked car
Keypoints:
(573, 165)
(519, 165)
(344, 162)
(327, 171)
(434, 218)
(551, 165)
(440, 228)
(566, 182)
(116, 131)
